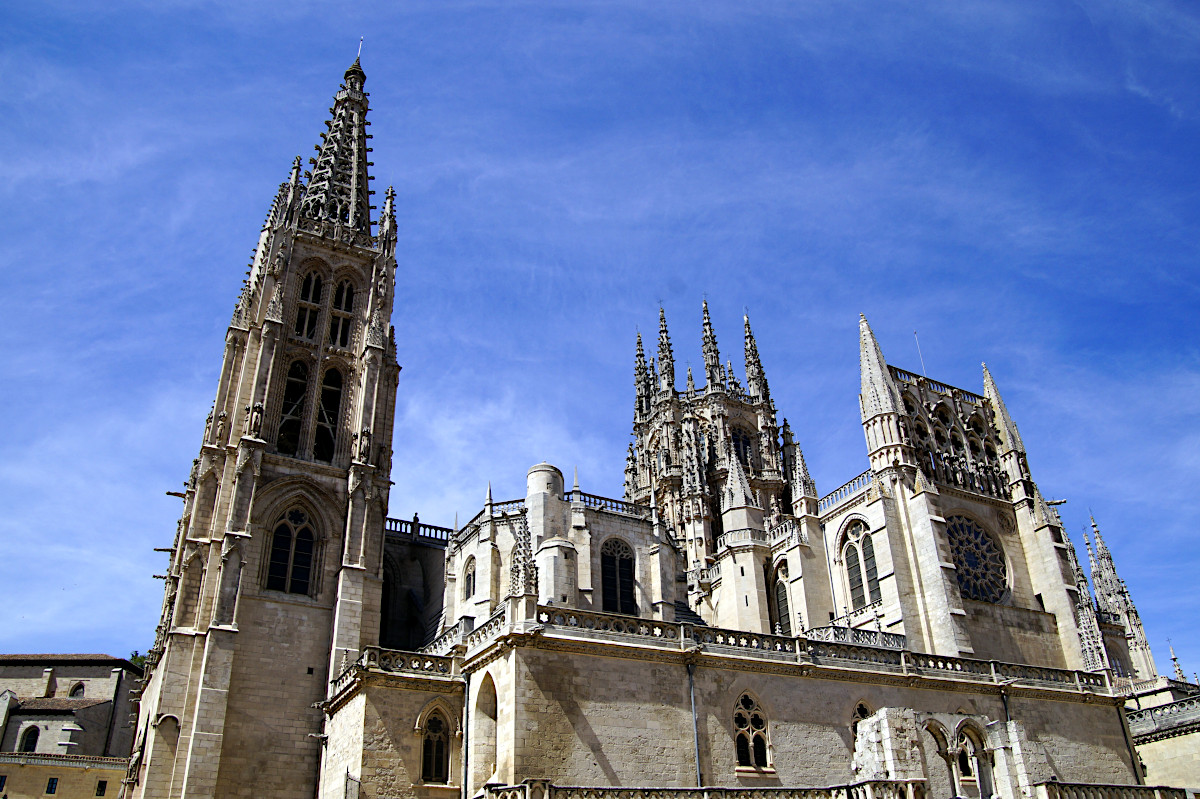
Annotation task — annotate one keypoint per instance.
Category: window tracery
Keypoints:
(435, 749)
(616, 577)
(295, 391)
(469, 579)
(978, 560)
(293, 545)
(308, 307)
(862, 573)
(327, 416)
(750, 733)
(341, 321)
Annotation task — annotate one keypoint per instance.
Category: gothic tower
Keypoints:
(274, 574)
(735, 498)
(1127, 648)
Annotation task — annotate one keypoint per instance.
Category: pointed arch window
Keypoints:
(616, 577)
(308, 308)
(29, 740)
(77, 691)
(327, 416)
(862, 574)
(340, 319)
(469, 579)
(292, 547)
(294, 392)
(435, 749)
(782, 623)
(750, 733)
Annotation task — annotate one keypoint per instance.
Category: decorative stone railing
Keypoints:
(854, 635)
(876, 789)
(487, 630)
(938, 388)
(1181, 713)
(789, 530)
(744, 534)
(613, 505)
(404, 527)
(449, 638)
(509, 506)
(842, 493)
(704, 575)
(1070, 790)
(587, 621)
(866, 649)
(397, 661)
(69, 761)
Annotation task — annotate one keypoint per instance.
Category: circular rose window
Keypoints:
(978, 559)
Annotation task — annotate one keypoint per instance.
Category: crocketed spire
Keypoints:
(666, 359)
(1009, 437)
(712, 355)
(879, 393)
(338, 190)
(756, 378)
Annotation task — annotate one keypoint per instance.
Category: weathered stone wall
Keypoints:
(1013, 634)
(1173, 761)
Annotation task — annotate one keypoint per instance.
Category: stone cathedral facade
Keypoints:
(925, 629)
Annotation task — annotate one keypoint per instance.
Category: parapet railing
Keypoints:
(1071, 790)
(395, 661)
(879, 656)
(788, 529)
(855, 635)
(842, 493)
(906, 376)
(69, 761)
(447, 640)
(404, 527)
(1180, 713)
(744, 534)
(613, 505)
(488, 629)
(875, 789)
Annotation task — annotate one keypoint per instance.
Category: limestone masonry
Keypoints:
(924, 630)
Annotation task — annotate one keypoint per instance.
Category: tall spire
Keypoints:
(1009, 437)
(666, 359)
(879, 393)
(712, 355)
(1112, 596)
(756, 378)
(1091, 640)
(338, 190)
(1179, 675)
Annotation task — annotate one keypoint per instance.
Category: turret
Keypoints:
(642, 384)
(879, 400)
(1113, 598)
(756, 378)
(1012, 451)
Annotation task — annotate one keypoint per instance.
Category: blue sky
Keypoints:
(1017, 181)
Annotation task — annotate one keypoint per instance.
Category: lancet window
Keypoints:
(469, 579)
(29, 740)
(294, 393)
(341, 321)
(782, 621)
(308, 308)
(435, 749)
(327, 416)
(750, 733)
(616, 577)
(862, 574)
(292, 548)
(742, 446)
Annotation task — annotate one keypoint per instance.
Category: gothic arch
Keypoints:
(402, 603)
(305, 494)
(434, 705)
(191, 580)
(859, 565)
(483, 742)
(751, 731)
(618, 576)
(314, 264)
(862, 710)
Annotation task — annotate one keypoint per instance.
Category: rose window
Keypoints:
(982, 574)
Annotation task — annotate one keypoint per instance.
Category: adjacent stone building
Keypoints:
(66, 724)
(923, 630)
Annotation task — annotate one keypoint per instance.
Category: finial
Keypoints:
(488, 501)
(359, 55)
(576, 486)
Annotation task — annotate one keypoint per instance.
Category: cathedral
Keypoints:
(924, 630)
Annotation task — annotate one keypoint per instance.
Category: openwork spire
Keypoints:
(756, 378)
(1091, 641)
(1009, 436)
(738, 493)
(338, 189)
(666, 359)
(712, 355)
(879, 393)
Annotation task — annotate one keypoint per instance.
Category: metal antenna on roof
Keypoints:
(360, 40)
(919, 355)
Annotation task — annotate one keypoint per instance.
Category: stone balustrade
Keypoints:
(488, 630)
(788, 530)
(586, 621)
(445, 642)
(398, 661)
(1069, 790)
(613, 505)
(744, 534)
(404, 528)
(875, 789)
(856, 635)
(844, 492)
(1181, 713)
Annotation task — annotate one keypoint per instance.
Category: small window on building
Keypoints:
(469, 579)
(101, 787)
(750, 731)
(435, 750)
(292, 546)
(340, 320)
(309, 307)
(77, 691)
(52, 785)
(29, 739)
